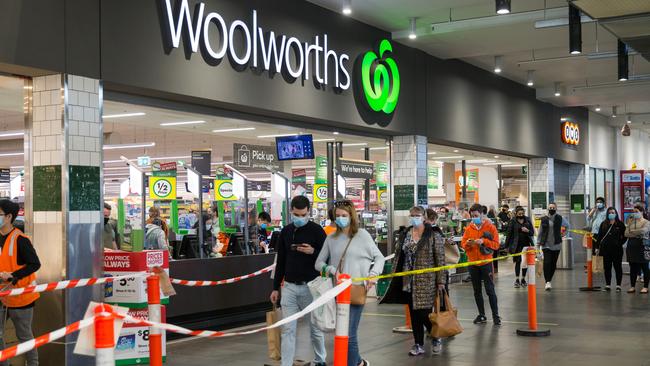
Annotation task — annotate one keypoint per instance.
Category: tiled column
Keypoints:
(542, 182)
(409, 176)
(64, 142)
(578, 178)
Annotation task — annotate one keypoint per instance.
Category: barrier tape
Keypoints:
(25, 347)
(443, 268)
(222, 282)
(581, 232)
(320, 301)
(53, 286)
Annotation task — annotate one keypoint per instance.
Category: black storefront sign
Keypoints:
(254, 186)
(5, 176)
(201, 161)
(363, 169)
(256, 157)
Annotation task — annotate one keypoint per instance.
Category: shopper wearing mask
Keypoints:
(298, 247)
(154, 238)
(596, 217)
(263, 227)
(550, 239)
(636, 230)
(519, 235)
(110, 236)
(480, 241)
(420, 246)
(351, 250)
(611, 236)
(504, 216)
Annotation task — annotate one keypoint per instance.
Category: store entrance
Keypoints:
(12, 142)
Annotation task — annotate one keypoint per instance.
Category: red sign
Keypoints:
(570, 133)
(144, 314)
(165, 167)
(119, 261)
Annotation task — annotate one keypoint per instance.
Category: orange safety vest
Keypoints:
(9, 263)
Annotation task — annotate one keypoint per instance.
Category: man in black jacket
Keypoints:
(298, 247)
(550, 239)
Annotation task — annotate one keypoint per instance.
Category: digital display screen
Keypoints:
(295, 147)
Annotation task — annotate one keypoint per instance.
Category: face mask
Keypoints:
(2, 221)
(299, 221)
(600, 206)
(520, 218)
(611, 216)
(552, 212)
(637, 215)
(208, 227)
(342, 222)
(263, 226)
(416, 221)
(105, 221)
(477, 221)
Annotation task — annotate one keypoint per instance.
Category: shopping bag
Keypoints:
(324, 318)
(444, 323)
(539, 267)
(273, 335)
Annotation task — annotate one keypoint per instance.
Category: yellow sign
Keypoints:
(320, 193)
(162, 188)
(223, 190)
(382, 196)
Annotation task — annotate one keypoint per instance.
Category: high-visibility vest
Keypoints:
(9, 263)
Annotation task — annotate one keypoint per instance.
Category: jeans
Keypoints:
(615, 260)
(635, 270)
(550, 263)
(483, 274)
(294, 299)
(22, 319)
(354, 358)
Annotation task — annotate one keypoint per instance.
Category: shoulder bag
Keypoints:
(444, 323)
(597, 264)
(357, 292)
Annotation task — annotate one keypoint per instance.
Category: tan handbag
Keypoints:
(273, 336)
(597, 264)
(452, 252)
(444, 323)
(358, 293)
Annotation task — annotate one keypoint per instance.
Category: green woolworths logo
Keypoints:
(377, 84)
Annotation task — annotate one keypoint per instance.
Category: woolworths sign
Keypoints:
(248, 44)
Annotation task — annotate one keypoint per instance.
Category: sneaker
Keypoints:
(517, 283)
(481, 319)
(364, 362)
(618, 289)
(314, 363)
(548, 286)
(644, 290)
(416, 350)
(608, 288)
(497, 320)
(631, 290)
(524, 283)
(436, 346)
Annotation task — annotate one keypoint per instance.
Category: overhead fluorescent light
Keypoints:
(168, 158)
(575, 30)
(129, 146)
(356, 144)
(413, 24)
(502, 6)
(125, 174)
(498, 64)
(500, 163)
(597, 109)
(347, 7)
(117, 168)
(531, 78)
(324, 140)
(456, 151)
(431, 153)
(221, 162)
(234, 129)
(18, 167)
(12, 154)
(12, 134)
(124, 115)
(181, 123)
(450, 157)
(513, 165)
(478, 161)
(279, 135)
(557, 89)
(378, 148)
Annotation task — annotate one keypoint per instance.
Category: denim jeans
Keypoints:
(294, 299)
(354, 358)
(22, 319)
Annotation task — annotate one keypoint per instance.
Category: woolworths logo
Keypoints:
(377, 84)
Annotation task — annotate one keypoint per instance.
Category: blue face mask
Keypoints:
(263, 226)
(416, 221)
(342, 222)
(611, 216)
(477, 221)
(600, 206)
(299, 221)
(2, 221)
(637, 215)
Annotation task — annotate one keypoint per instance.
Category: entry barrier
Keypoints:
(222, 282)
(104, 335)
(532, 330)
(61, 285)
(155, 334)
(590, 274)
(341, 333)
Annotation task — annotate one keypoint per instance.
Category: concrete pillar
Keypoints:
(63, 166)
(409, 176)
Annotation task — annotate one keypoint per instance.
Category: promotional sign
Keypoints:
(144, 161)
(254, 186)
(472, 184)
(363, 169)
(298, 182)
(320, 193)
(132, 292)
(381, 174)
(433, 173)
(162, 188)
(132, 345)
(382, 196)
(321, 170)
(223, 190)
(5, 176)
(570, 133)
(201, 161)
(164, 169)
(632, 190)
(255, 157)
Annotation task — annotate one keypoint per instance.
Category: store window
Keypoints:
(601, 184)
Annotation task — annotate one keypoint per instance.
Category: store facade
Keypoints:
(278, 63)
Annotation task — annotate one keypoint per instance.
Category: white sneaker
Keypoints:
(548, 286)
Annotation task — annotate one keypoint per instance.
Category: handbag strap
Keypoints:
(339, 267)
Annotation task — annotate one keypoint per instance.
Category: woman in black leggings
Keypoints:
(611, 237)
(519, 235)
(636, 230)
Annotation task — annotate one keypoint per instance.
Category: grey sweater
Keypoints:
(359, 259)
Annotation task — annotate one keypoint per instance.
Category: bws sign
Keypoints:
(570, 133)
(247, 44)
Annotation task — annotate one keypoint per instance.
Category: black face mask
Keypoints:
(552, 212)
(520, 218)
(106, 220)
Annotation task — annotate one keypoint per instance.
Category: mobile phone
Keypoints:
(294, 246)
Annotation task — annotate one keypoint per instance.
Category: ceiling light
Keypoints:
(12, 134)
(12, 154)
(530, 78)
(413, 24)
(496, 156)
(597, 109)
(378, 148)
(500, 163)
(456, 151)
(347, 7)
(181, 123)
(498, 61)
(335, 133)
(478, 161)
(431, 153)
(221, 162)
(129, 146)
(118, 168)
(629, 119)
(279, 135)
(450, 157)
(124, 115)
(324, 140)
(575, 31)
(234, 129)
(614, 110)
(503, 6)
(513, 165)
(356, 144)
(623, 70)
(557, 89)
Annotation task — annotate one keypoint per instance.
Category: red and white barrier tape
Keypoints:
(222, 282)
(320, 301)
(45, 287)
(37, 342)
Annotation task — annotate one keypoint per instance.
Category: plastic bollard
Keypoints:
(104, 336)
(590, 274)
(155, 333)
(406, 328)
(342, 324)
(532, 330)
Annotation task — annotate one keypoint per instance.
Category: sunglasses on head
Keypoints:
(344, 203)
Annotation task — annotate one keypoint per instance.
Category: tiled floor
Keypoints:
(588, 329)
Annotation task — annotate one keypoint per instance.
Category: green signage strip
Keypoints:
(433, 173)
(381, 174)
(321, 170)
(404, 197)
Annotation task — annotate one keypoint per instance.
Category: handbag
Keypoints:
(357, 292)
(597, 265)
(324, 318)
(273, 336)
(444, 323)
(452, 252)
